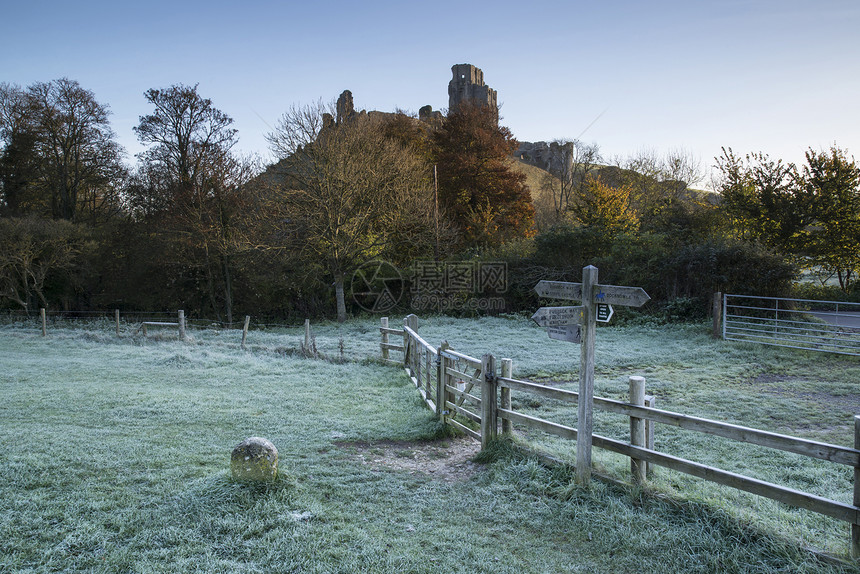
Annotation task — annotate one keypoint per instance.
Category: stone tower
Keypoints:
(467, 85)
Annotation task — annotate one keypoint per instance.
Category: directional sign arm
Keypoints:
(618, 295)
(558, 316)
(559, 290)
(569, 333)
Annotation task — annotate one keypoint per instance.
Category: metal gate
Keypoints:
(828, 326)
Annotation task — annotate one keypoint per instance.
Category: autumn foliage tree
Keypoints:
(487, 200)
(346, 191)
(604, 207)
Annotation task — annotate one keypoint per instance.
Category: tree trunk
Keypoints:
(210, 283)
(341, 302)
(228, 291)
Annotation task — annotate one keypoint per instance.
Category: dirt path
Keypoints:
(448, 460)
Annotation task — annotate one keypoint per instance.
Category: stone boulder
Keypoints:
(254, 459)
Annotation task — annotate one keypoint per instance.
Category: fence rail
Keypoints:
(827, 326)
(490, 395)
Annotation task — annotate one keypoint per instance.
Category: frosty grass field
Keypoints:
(115, 455)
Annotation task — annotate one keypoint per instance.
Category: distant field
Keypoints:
(115, 456)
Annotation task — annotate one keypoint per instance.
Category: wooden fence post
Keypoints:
(650, 402)
(507, 373)
(410, 321)
(181, 325)
(245, 330)
(441, 381)
(427, 378)
(855, 528)
(585, 406)
(489, 412)
(44, 322)
(384, 324)
(717, 314)
(406, 345)
(417, 364)
(637, 427)
(116, 316)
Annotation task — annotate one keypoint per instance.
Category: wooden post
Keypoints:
(650, 401)
(116, 316)
(181, 325)
(245, 330)
(489, 413)
(410, 321)
(441, 381)
(406, 346)
(384, 323)
(855, 528)
(427, 377)
(637, 427)
(44, 322)
(717, 313)
(143, 328)
(307, 345)
(585, 407)
(507, 373)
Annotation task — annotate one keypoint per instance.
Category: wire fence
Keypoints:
(73, 317)
(325, 340)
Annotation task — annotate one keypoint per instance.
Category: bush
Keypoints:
(819, 292)
(680, 278)
(683, 309)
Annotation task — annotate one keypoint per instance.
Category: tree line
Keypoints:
(193, 224)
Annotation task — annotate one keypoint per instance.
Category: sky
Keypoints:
(776, 76)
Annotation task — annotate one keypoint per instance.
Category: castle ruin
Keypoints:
(468, 85)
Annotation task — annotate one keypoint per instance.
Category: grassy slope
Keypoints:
(115, 457)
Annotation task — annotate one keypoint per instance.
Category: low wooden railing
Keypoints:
(459, 383)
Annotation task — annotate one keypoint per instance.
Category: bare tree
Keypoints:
(34, 250)
(657, 181)
(184, 131)
(345, 192)
(60, 157)
(193, 183)
(569, 164)
(680, 164)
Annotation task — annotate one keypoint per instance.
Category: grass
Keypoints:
(115, 456)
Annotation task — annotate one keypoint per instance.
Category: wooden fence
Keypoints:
(452, 383)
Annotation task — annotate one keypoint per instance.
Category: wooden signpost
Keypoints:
(578, 325)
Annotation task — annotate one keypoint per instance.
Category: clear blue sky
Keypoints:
(777, 76)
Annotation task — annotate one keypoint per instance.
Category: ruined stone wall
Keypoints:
(467, 85)
(547, 156)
